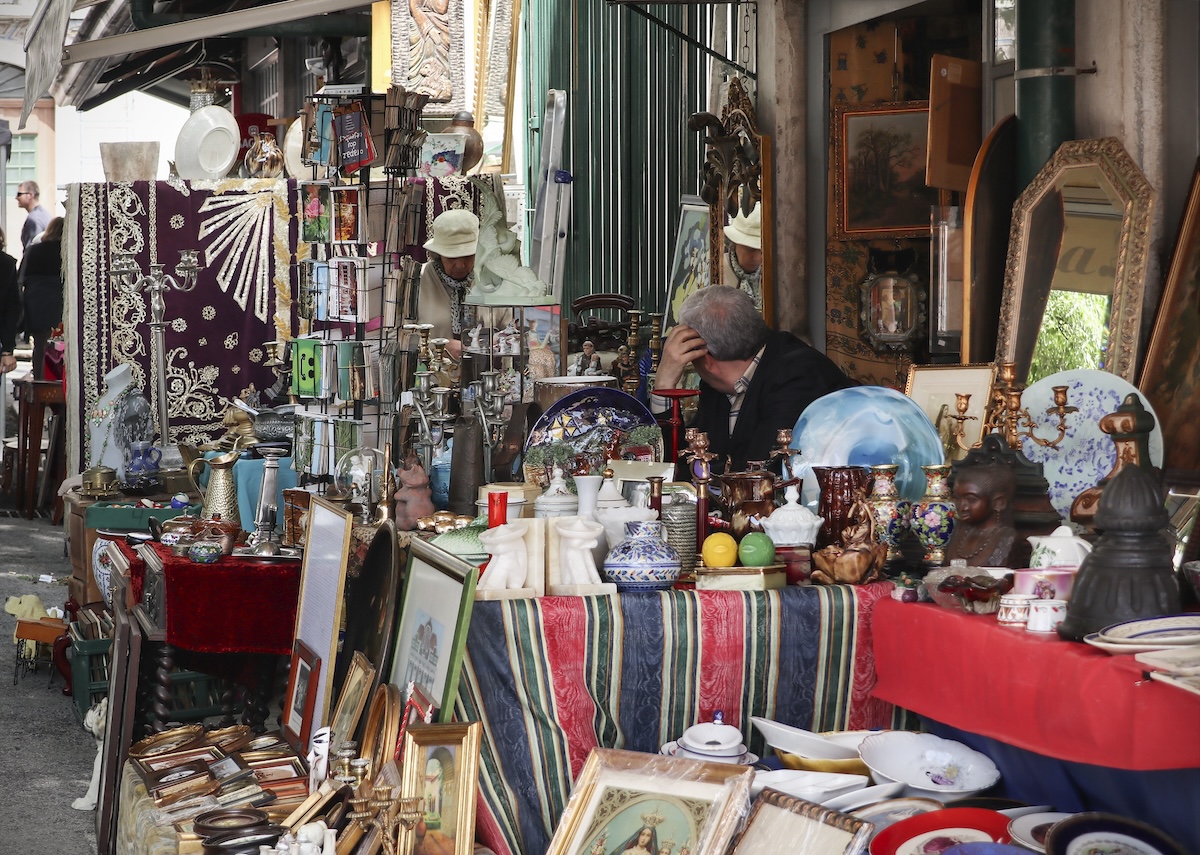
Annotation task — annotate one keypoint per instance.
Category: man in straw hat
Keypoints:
(743, 261)
(448, 277)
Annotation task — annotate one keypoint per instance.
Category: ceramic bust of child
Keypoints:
(983, 532)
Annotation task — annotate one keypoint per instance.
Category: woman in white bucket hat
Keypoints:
(448, 276)
(743, 258)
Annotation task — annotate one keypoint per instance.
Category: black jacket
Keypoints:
(42, 286)
(790, 376)
(10, 303)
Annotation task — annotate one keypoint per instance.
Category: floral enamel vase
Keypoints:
(643, 561)
(891, 511)
(933, 514)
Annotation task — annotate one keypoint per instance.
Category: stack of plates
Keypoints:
(1140, 636)
(713, 742)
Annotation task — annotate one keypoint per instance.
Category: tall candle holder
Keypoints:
(700, 459)
(127, 275)
(1009, 418)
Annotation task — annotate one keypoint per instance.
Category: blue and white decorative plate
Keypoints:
(587, 420)
(1086, 453)
(866, 426)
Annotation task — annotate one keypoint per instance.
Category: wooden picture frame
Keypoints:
(690, 268)
(935, 387)
(441, 766)
(439, 593)
(322, 585)
(863, 133)
(356, 688)
(1169, 379)
(155, 764)
(301, 696)
(619, 795)
(780, 824)
(125, 664)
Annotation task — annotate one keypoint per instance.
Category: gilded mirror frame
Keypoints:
(1136, 197)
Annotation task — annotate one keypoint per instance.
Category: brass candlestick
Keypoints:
(700, 460)
(656, 319)
(958, 433)
(1011, 419)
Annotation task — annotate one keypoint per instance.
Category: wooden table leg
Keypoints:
(61, 645)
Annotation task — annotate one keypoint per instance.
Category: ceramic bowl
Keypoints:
(711, 737)
(972, 589)
(673, 749)
(1045, 583)
(928, 765)
(804, 743)
(206, 551)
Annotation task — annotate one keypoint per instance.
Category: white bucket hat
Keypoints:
(746, 230)
(455, 234)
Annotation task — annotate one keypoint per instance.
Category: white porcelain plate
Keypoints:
(812, 786)
(863, 797)
(207, 145)
(804, 743)
(1031, 830)
(1119, 648)
(1173, 631)
(1086, 453)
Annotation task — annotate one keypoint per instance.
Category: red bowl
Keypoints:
(933, 832)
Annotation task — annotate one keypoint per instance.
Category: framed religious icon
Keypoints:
(780, 824)
(435, 613)
(441, 768)
(690, 263)
(630, 801)
(879, 154)
(301, 696)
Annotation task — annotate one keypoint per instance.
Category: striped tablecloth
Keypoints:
(553, 678)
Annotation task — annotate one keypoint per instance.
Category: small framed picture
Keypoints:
(347, 215)
(316, 220)
(352, 701)
(939, 389)
(149, 766)
(626, 800)
(690, 268)
(441, 767)
(780, 824)
(301, 696)
(229, 769)
(441, 155)
(274, 770)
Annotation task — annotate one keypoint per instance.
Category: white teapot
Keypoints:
(792, 523)
(1060, 548)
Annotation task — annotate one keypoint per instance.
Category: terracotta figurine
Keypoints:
(983, 533)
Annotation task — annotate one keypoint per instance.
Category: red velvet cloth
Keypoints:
(137, 572)
(1058, 698)
(232, 606)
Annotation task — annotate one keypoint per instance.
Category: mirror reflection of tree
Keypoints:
(1074, 333)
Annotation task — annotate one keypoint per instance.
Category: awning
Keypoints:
(43, 50)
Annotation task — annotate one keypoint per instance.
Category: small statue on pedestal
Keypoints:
(983, 533)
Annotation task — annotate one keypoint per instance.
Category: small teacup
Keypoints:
(1014, 609)
(1046, 615)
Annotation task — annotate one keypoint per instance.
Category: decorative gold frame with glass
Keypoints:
(1082, 225)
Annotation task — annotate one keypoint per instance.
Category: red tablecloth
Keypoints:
(232, 606)
(1062, 699)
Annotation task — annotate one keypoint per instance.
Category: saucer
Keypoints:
(1032, 829)
(673, 749)
(207, 145)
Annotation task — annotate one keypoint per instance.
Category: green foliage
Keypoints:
(1074, 334)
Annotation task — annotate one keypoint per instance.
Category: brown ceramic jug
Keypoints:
(839, 486)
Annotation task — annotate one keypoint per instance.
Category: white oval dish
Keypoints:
(861, 798)
(928, 765)
(207, 145)
(812, 786)
(803, 743)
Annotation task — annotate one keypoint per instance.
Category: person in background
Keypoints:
(743, 255)
(753, 380)
(10, 308)
(37, 218)
(447, 277)
(40, 279)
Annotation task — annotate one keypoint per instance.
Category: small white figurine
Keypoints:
(508, 566)
(577, 538)
(473, 337)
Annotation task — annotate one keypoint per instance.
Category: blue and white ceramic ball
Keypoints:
(866, 426)
(643, 561)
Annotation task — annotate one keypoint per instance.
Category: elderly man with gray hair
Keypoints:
(753, 380)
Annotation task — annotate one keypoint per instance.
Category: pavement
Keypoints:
(50, 757)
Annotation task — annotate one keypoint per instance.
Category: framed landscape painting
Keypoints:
(879, 153)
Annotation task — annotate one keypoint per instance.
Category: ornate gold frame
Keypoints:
(1129, 185)
(465, 739)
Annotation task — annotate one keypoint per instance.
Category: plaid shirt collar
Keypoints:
(739, 389)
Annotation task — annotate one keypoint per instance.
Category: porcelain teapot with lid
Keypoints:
(1061, 548)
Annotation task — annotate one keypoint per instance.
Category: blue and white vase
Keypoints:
(643, 561)
(933, 514)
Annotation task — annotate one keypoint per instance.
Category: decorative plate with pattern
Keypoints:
(589, 419)
(1086, 453)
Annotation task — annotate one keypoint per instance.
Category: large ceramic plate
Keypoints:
(934, 832)
(801, 742)
(207, 145)
(588, 419)
(1086, 453)
(887, 813)
(1031, 830)
(293, 155)
(1094, 833)
(1173, 631)
(866, 426)
(1118, 648)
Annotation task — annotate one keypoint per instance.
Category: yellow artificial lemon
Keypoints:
(719, 550)
(756, 550)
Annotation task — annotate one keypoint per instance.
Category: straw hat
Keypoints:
(455, 234)
(746, 230)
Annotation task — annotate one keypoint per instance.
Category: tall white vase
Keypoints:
(588, 488)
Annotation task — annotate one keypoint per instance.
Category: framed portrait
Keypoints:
(435, 613)
(155, 764)
(879, 154)
(322, 585)
(780, 824)
(690, 270)
(316, 212)
(352, 700)
(629, 801)
(229, 769)
(301, 696)
(1170, 379)
(347, 223)
(441, 767)
(936, 388)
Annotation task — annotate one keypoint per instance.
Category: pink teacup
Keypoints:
(1045, 583)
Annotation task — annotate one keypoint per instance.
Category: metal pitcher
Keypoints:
(221, 495)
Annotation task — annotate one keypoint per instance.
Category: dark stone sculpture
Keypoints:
(983, 495)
